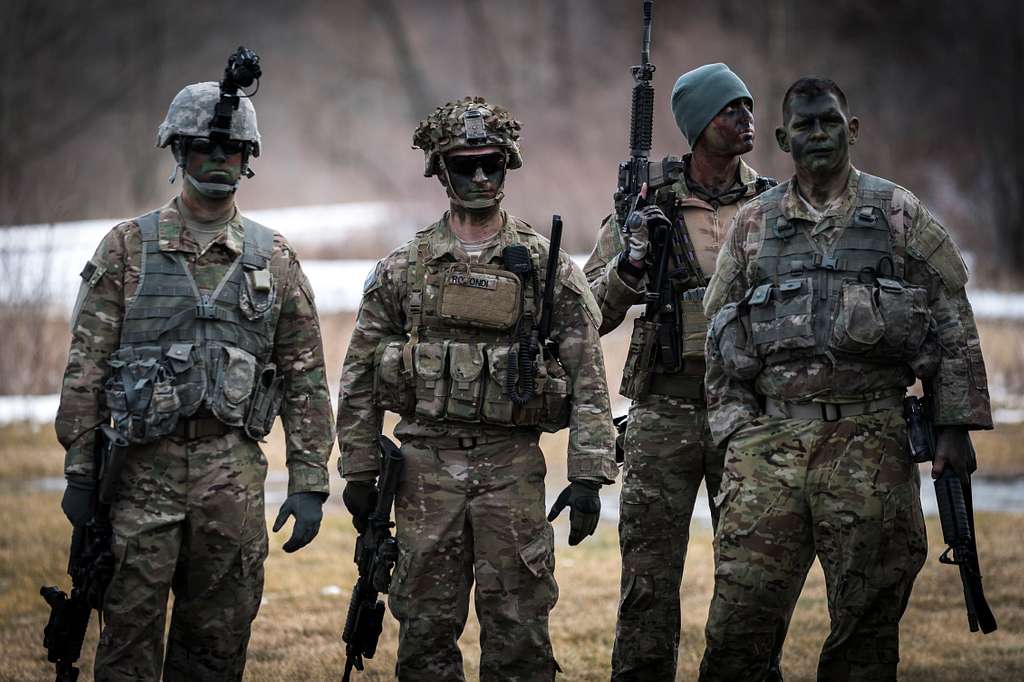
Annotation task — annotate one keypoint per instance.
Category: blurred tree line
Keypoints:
(84, 84)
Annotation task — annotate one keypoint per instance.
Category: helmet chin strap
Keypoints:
(471, 204)
(211, 190)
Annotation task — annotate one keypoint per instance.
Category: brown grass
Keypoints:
(296, 635)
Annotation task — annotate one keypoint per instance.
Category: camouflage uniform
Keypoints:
(470, 506)
(189, 514)
(822, 323)
(668, 448)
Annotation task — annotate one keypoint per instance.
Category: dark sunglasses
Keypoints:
(467, 165)
(205, 145)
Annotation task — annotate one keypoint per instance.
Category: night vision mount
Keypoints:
(242, 70)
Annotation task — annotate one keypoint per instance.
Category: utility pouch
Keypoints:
(497, 405)
(392, 390)
(730, 330)
(640, 360)
(429, 360)
(781, 316)
(695, 328)
(886, 320)
(532, 412)
(466, 364)
(474, 296)
(266, 403)
(233, 382)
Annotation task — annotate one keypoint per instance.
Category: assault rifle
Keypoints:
(633, 174)
(375, 557)
(90, 565)
(956, 514)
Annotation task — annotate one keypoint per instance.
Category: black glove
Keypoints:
(360, 498)
(584, 509)
(307, 508)
(79, 501)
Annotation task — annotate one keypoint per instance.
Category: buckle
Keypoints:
(192, 429)
(831, 412)
(207, 311)
(467, 442)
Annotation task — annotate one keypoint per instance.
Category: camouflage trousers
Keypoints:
(844, 491)
(668, 452)
(188, 518)
(468, 514)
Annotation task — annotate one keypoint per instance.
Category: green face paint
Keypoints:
(818, 131)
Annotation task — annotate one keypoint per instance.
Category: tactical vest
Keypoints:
(666, 354)
(472, 353)
(186, 351)
(851, 300)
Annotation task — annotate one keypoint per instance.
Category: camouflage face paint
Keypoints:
(214, 165)
(818, 135)
(480, 180)
(731, 132)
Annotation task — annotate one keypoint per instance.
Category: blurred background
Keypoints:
(84, 84)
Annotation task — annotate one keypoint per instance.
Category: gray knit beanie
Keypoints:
(700, 94)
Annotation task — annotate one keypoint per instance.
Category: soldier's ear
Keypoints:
(854, 127)
(782, 137)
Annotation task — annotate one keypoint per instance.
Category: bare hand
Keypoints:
(953, 449)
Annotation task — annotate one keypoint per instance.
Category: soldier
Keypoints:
(194, 326)
(668, 450)
(445, 337)
(834, 291)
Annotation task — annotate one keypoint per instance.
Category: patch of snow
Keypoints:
(34, 409)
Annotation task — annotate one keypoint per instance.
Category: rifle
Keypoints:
(633, 174)
(375, 556)
(90, 565)
(956, 514)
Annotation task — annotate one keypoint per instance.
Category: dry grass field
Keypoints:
(297, 633)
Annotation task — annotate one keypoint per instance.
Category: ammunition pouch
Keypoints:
(467, 382)
(150, 390)
(695, 328)
(640, 359)
(141, 394)
(265, 404)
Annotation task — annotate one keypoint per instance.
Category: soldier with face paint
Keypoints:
(833, 293)
(668, 449)
(444, 338)
(193, 329)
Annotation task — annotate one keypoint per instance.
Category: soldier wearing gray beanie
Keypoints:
(699, 95)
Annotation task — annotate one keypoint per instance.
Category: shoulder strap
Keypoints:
(258, 245)
(418, 254)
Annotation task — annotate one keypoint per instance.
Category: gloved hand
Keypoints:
(307, 508)
(584, 509)
(79, 501)
(638, 222)
(360, 498)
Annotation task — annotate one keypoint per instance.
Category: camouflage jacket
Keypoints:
(385, 312)
(96, 331)
(955, 370)
(706, 223)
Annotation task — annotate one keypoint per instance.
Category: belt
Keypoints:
(200, 427)
(829, 412)
(678, 385)
(465, 442)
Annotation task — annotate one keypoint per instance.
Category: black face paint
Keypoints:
(476, 176)
(819, 134)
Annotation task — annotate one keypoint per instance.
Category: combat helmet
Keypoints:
(191, 112)
(190, 115)
(467, 123)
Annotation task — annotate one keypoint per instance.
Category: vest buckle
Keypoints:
(207, 311)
